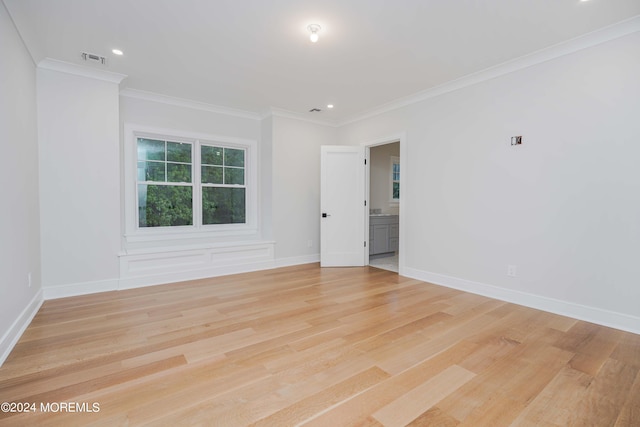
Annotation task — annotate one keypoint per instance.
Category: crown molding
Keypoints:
(576, 44)
(188, 103)
(278, 112)
(80, 70)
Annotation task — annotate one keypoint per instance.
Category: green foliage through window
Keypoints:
(164, 162)
(223, 205)
(223, 180)
(221, 165)
(164, 205)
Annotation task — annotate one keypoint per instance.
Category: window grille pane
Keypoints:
(142, 171)
(223, 205)
(233, 157)
(396, 190)
(164, 205)
(211, 155)
(151, 171)
(234, 176)
(178, 172)
(178, 152)
(150, 149)
(211, 175)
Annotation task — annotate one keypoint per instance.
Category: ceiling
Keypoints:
(254, 55)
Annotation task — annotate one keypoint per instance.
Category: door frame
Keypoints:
(389, 139)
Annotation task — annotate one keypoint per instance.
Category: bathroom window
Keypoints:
(395, 179)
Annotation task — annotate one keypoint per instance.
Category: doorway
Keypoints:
(384, 189)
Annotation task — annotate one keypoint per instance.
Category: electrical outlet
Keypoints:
(29, 278)
(309, 243)
(511, 270)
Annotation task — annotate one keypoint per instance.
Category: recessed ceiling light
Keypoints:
(117, 52)
(329, 105)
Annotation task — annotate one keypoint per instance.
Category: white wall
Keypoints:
(166, 115)
(380, 177)
(296, 187)
(19, 214)
(79, 180)
(266, 178)
(563, 207)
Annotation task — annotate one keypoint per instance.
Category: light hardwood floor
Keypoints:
(318, 347)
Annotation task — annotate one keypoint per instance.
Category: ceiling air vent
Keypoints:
(92, 57)
(315, 110)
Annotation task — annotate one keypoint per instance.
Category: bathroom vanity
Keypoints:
(383, 234)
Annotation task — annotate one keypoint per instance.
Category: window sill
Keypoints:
(158, 236)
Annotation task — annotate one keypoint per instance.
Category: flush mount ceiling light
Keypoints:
(313, 29)
(117, 52)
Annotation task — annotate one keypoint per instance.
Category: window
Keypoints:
(223, 185)
(165, 188)
(188, 184)
(395, 179)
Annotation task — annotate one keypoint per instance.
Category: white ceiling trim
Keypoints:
(594, 38)
(278, 112)
(188, 103)
(79, 70)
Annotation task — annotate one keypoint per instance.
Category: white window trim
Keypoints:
(134, 233)
(392, 160)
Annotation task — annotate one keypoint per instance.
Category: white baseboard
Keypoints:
(596, 315)
(11, 337)
(75, 289)
(296, 260)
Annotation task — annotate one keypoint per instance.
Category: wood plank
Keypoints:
(628, 350)
(414, 402)
(307, 408)
(630, 413)
(607, 394)
(590, 357)
(558, 402)
(357, 409)
(434, 417)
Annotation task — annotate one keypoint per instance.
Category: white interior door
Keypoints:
(342, 201)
